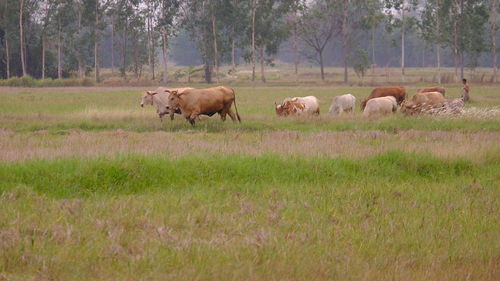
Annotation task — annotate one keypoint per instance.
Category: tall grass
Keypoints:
(125, 175)
(395, 216)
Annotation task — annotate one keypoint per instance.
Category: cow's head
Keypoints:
(363, 104)
(173, 99)
(147, 98)
(280, 110)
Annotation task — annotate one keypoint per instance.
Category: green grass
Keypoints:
(126, 175)
(258, 200)
(397, 215)
(27, 111)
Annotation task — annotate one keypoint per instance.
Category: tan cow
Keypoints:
(423, 102)
(397, 92)
(195, 102)
(380, 106)
(159, 99)
(433, 89)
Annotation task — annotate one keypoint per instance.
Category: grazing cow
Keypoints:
(194, 102)
(298, 106)
(159, 98)
(422, 102)
(433, 89)
(343, 103)
(397, 92)
(380, 106)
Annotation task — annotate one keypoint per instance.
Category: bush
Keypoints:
(29, 81)
(26, 81)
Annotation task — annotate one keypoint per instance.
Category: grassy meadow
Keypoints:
(94, 187)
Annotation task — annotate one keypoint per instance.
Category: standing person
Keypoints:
(465, 91)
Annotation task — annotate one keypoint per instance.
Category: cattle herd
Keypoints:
(191, 103)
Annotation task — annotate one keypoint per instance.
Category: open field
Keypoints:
(93, 187)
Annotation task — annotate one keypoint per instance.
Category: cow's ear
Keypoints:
(149, 93)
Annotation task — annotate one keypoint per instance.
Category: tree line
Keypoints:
(60, 38)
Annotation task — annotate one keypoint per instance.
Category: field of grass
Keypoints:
(93, 187)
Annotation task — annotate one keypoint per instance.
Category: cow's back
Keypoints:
(209, 100)
(380, 105)
(438, 89)
(342, 103)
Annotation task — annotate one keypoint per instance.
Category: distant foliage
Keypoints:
(360, 62)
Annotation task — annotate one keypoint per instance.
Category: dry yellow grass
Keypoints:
(356, 144)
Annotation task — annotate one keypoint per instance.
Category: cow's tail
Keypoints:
(235, 107)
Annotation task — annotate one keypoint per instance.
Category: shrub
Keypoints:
(26, 81)
(29, 81)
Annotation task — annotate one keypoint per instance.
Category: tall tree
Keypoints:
(399, 12)
(316, 28)
(269, 29)
(21, 37)
(167, 24)
(494, 7)
(8, 25)
(432, 22)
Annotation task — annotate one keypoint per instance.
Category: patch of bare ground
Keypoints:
(357, 144)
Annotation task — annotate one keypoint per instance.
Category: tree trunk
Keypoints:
(345, 39)
(295, 51)
(124, 52)
(455, 47)
(59, 66)
(78, 53)
(112, 44)
(148, 26)
(262, 77)
(21, 37)
(233, 39)
(136, 55)
(321, 65)
(165, 55)
(254, 7)
(216, 51)
(43, 56)
(438, 55)
(208, 72)
(96, 43)
(461, 40)
(461, 65)
(494, 38)
(7, 54)
(403, 42)
(438, 47)
(373, 52)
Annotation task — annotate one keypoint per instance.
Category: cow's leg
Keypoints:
(223, 114)
(172, 115)
(192, 118)
(231, 114)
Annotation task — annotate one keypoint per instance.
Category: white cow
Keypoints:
(343, 103)
(310, 103)
(380, 106)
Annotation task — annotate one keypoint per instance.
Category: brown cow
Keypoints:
(423, 102)
(195, 102)
(433, 89)
(398, 92)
